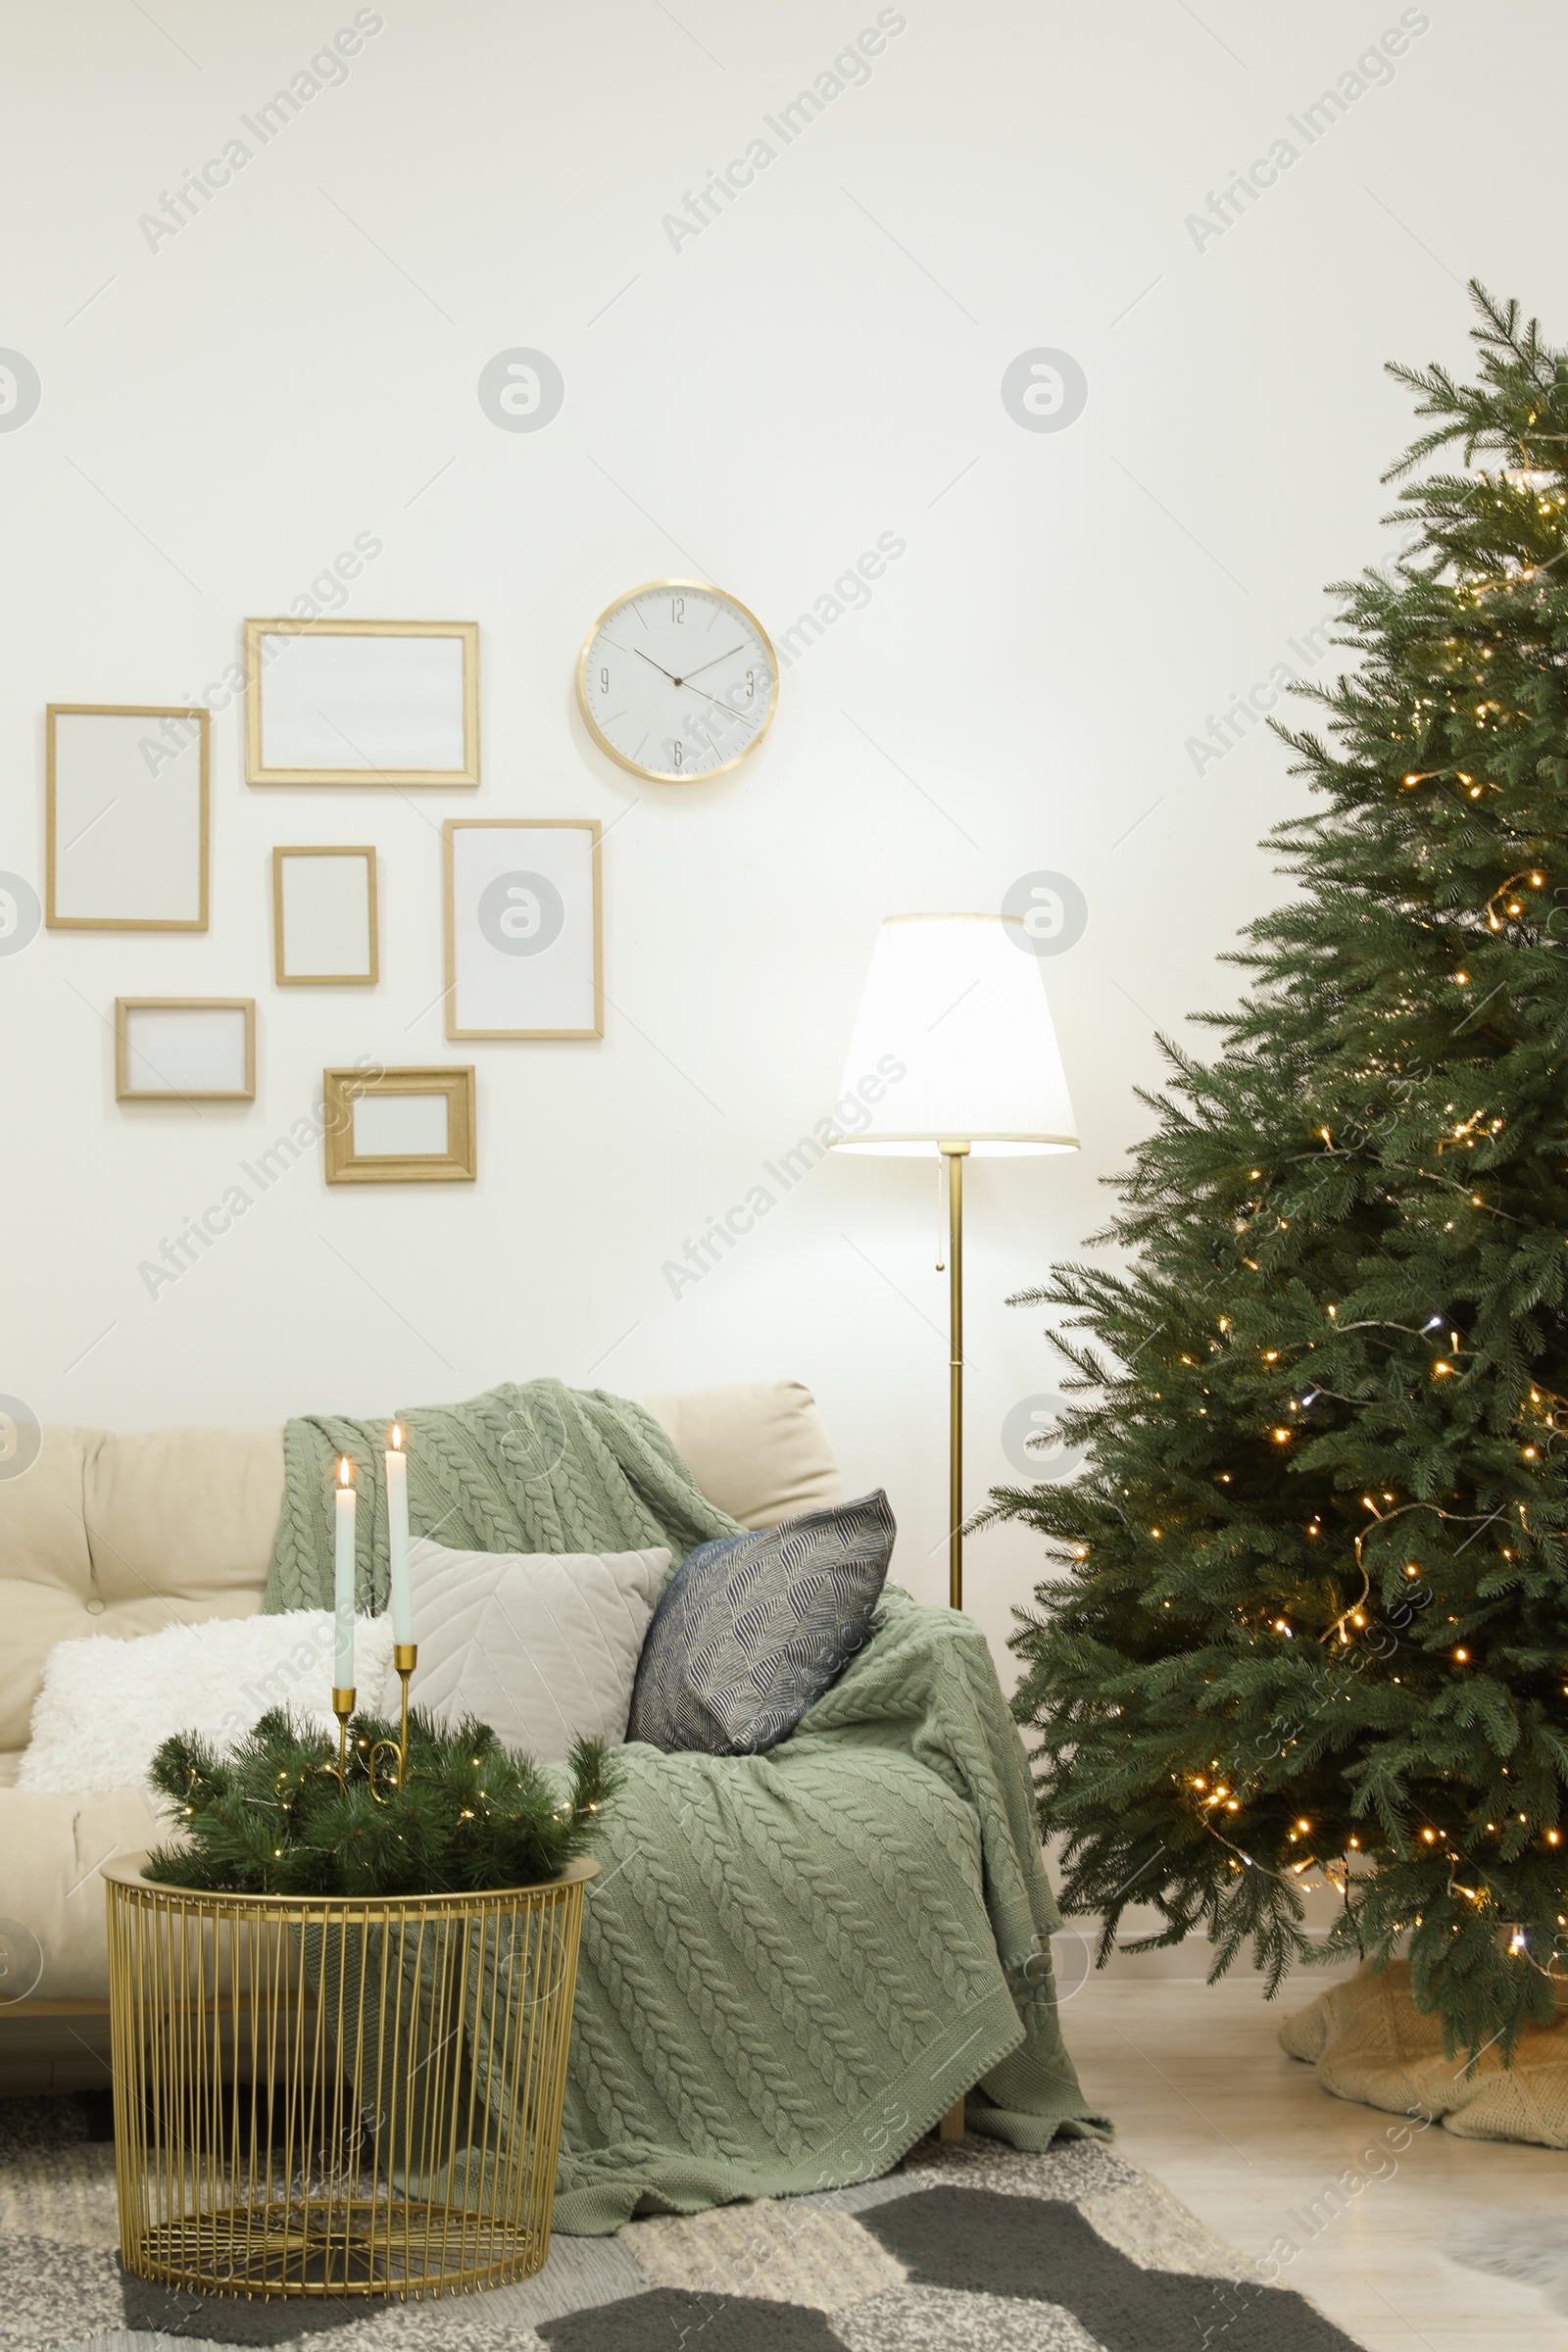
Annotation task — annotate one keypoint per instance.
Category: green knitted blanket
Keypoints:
(536, 1467)
(793, 1963)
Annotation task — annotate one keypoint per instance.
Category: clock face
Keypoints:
(677, 680)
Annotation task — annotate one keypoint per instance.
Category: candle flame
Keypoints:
(345, 1472)
(397, 1438)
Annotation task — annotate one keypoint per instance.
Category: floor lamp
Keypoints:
(955, 1005)
(953, 1054)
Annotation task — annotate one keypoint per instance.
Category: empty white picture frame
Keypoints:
(524, 930)
(125, 817)
(324, 917)
(361, 702)
(185, 1049)
(404, 1126)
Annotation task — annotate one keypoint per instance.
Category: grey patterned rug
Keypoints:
(969, 2245)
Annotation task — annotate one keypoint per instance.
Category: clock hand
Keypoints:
(642, 657)
(702, 665)
(728, 708)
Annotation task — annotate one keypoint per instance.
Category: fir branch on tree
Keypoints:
(470, 1814)
(1308, 1614)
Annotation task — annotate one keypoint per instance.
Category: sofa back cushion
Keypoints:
(759, 1448)
(187, 1513)
(125, 1535)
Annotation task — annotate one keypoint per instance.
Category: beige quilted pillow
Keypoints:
(541, 1647)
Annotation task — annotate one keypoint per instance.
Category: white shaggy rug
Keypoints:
(1530, 2247)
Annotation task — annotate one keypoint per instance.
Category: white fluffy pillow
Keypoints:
(540, 1646)
(106, 1706)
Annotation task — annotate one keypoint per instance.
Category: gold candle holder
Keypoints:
(342, 1708)
(405, 1658)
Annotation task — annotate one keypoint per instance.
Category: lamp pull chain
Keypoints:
(942, 1261)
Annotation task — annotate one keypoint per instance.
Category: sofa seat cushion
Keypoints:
(53, 1846)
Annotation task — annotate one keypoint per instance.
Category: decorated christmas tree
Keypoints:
(1308, 1616)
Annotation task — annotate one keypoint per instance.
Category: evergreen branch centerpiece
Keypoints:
(1311, 1611)
(466, 1814)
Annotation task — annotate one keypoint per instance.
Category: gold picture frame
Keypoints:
(366, 771)
(171, 1090)
(589, 901)
(55, 851)
(348, 1162)
(281, 976)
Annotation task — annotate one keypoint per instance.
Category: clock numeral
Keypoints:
(604, 681)
(677, 607)
(750, 684)
(677, 756)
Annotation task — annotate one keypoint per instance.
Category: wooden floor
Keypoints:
(1206, 2100)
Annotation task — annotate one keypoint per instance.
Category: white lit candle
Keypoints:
(397, 1530)
(343, 1587)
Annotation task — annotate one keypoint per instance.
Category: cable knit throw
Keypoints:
(539, 1467)
(793, 1963)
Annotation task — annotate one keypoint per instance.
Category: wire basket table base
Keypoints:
(335, 2247)
(334, 2095)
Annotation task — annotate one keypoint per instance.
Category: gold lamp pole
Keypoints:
(954, 1155)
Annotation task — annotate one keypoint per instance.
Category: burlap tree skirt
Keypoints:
(1369, 2041)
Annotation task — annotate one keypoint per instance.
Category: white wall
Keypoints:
(225, 411)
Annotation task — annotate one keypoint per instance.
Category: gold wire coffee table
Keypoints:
(337, 2095)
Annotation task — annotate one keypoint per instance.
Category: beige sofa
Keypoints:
(117, 1537)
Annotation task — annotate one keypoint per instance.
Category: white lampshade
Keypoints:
(962, 1006)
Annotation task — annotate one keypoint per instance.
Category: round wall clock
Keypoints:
(677, 680)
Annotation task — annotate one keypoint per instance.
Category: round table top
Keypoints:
(128, 1870)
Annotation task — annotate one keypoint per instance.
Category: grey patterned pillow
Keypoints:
(753, 1629)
